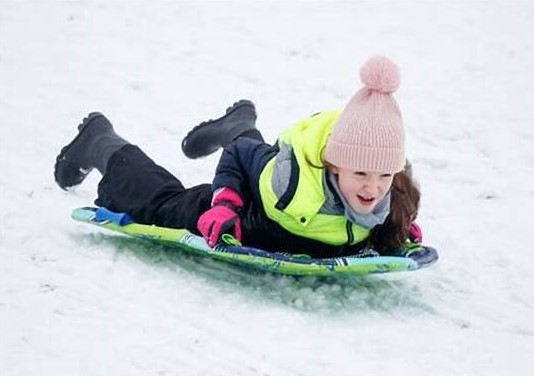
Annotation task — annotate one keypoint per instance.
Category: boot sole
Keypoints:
(230, 110)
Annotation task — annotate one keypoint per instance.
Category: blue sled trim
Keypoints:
(120, 219)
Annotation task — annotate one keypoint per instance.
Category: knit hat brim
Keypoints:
(361, 158)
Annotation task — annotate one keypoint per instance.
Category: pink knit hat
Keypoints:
(369, 135)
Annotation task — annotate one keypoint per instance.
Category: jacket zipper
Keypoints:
(350, 235)
(350, 239)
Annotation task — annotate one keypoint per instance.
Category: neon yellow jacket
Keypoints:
(292, 185)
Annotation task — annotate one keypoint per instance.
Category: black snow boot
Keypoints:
(92, 147)
(209, 136)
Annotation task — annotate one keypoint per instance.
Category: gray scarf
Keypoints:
(376, 217)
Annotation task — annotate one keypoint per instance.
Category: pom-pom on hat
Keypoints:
(369, 135)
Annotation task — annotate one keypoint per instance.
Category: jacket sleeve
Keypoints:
(240, 167)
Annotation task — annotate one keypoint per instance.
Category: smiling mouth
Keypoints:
(365, 201)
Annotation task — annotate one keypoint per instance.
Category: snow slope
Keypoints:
(74, 301)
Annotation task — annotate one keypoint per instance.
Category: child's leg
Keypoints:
(134, 184)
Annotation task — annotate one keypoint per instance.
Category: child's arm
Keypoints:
(234, 185)
(240, 167)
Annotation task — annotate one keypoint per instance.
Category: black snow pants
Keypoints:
(134, 184)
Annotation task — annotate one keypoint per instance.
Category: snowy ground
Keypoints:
(77, 302)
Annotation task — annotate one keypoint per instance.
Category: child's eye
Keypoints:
(360, 173)
(385, 175)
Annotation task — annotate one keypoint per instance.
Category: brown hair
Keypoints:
(405, 197)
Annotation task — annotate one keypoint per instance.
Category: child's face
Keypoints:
(363, 190)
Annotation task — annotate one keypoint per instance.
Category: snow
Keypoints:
(75, 301)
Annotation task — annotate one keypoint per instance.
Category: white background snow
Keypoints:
(74, 301)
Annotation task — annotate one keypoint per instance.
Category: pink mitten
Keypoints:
(222, 218)
(415, 234)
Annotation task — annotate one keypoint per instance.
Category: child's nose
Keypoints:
(372, 185)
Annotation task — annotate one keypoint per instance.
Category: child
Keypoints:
(333, 184)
